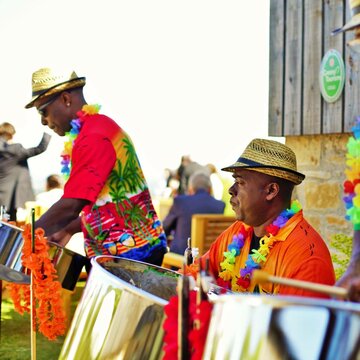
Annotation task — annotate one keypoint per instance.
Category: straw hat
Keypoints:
(46, 82)
(271, 158)
(355, 18)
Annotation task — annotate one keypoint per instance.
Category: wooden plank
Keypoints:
(293, 68)
(333, 115)
(352, 84)
(276, 67)
(311, 118)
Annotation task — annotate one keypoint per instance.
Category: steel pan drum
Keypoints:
(11, 243)
(67, 263)
(120, 313)
(274, 327)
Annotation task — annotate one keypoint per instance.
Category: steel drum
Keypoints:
(275, 327)
(11, 243)
(120, 313)
(67, 263)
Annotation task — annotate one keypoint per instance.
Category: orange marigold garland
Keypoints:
(50, 315)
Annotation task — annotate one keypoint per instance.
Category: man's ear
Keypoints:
(271, 190)
(66, 98)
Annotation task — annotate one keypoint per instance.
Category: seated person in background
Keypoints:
(199, 201)
(270, 232)
(54, 191)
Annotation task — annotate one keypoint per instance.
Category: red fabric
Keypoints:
(303, 255)
(93, 158)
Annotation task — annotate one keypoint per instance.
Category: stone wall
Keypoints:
(322, 159)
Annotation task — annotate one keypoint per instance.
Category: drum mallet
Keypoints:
(260, 277)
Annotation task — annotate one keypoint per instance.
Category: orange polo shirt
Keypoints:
(299, 253)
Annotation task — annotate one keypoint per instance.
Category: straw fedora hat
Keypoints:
(271, 158)
(47, 82)
(355, 18)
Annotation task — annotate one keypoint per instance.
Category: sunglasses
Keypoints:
(42, 109)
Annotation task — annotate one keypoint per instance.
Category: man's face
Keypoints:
(248, 196)
(52, 112)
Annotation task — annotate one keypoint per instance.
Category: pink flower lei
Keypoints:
(71, 135)
(256, 259)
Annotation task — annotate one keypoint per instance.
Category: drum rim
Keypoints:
(286, 301)
(11, 226)
(131, 288)
(66, 250)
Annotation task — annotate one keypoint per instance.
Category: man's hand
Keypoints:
(354, 289)
(351, 281)
(61, 237)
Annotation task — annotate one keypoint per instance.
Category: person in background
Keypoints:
(198, 201)
(15, 181)
(54, 189)
(185, 170)
(270, 232)
(216, 182)
(171, 183)
(105, 186)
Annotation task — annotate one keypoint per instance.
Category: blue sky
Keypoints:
(181, 77)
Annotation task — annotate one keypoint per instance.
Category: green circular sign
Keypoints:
(332, 75)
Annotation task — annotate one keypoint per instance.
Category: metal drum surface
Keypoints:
(121, 311)
(274, 327)
(67, 263)
(11, 244)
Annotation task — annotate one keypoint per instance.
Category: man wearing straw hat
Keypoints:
(105, 183)
(270, 232)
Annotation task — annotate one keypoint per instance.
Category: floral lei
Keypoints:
(76, 125)
(351, 187)
(50, 316)
(256, 259)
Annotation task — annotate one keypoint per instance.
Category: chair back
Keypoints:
(205, 228)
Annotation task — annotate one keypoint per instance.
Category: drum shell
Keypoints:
(275, 327)
(67, 263)
(115, 318)
(11, 244)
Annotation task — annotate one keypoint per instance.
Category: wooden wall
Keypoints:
(300, 34)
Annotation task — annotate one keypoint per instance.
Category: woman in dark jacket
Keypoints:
(15, 181)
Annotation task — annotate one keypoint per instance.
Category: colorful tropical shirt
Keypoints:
(105, 170)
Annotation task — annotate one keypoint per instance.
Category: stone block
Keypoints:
(323, 195)
(307, 150)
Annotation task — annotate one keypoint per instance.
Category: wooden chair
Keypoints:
(205, 228)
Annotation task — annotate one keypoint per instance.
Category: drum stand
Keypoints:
(32, 297)
(0, 305)
(183, 317)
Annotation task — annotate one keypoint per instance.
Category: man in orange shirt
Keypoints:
(270, 232)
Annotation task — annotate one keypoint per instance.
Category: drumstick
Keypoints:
(260, 277)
